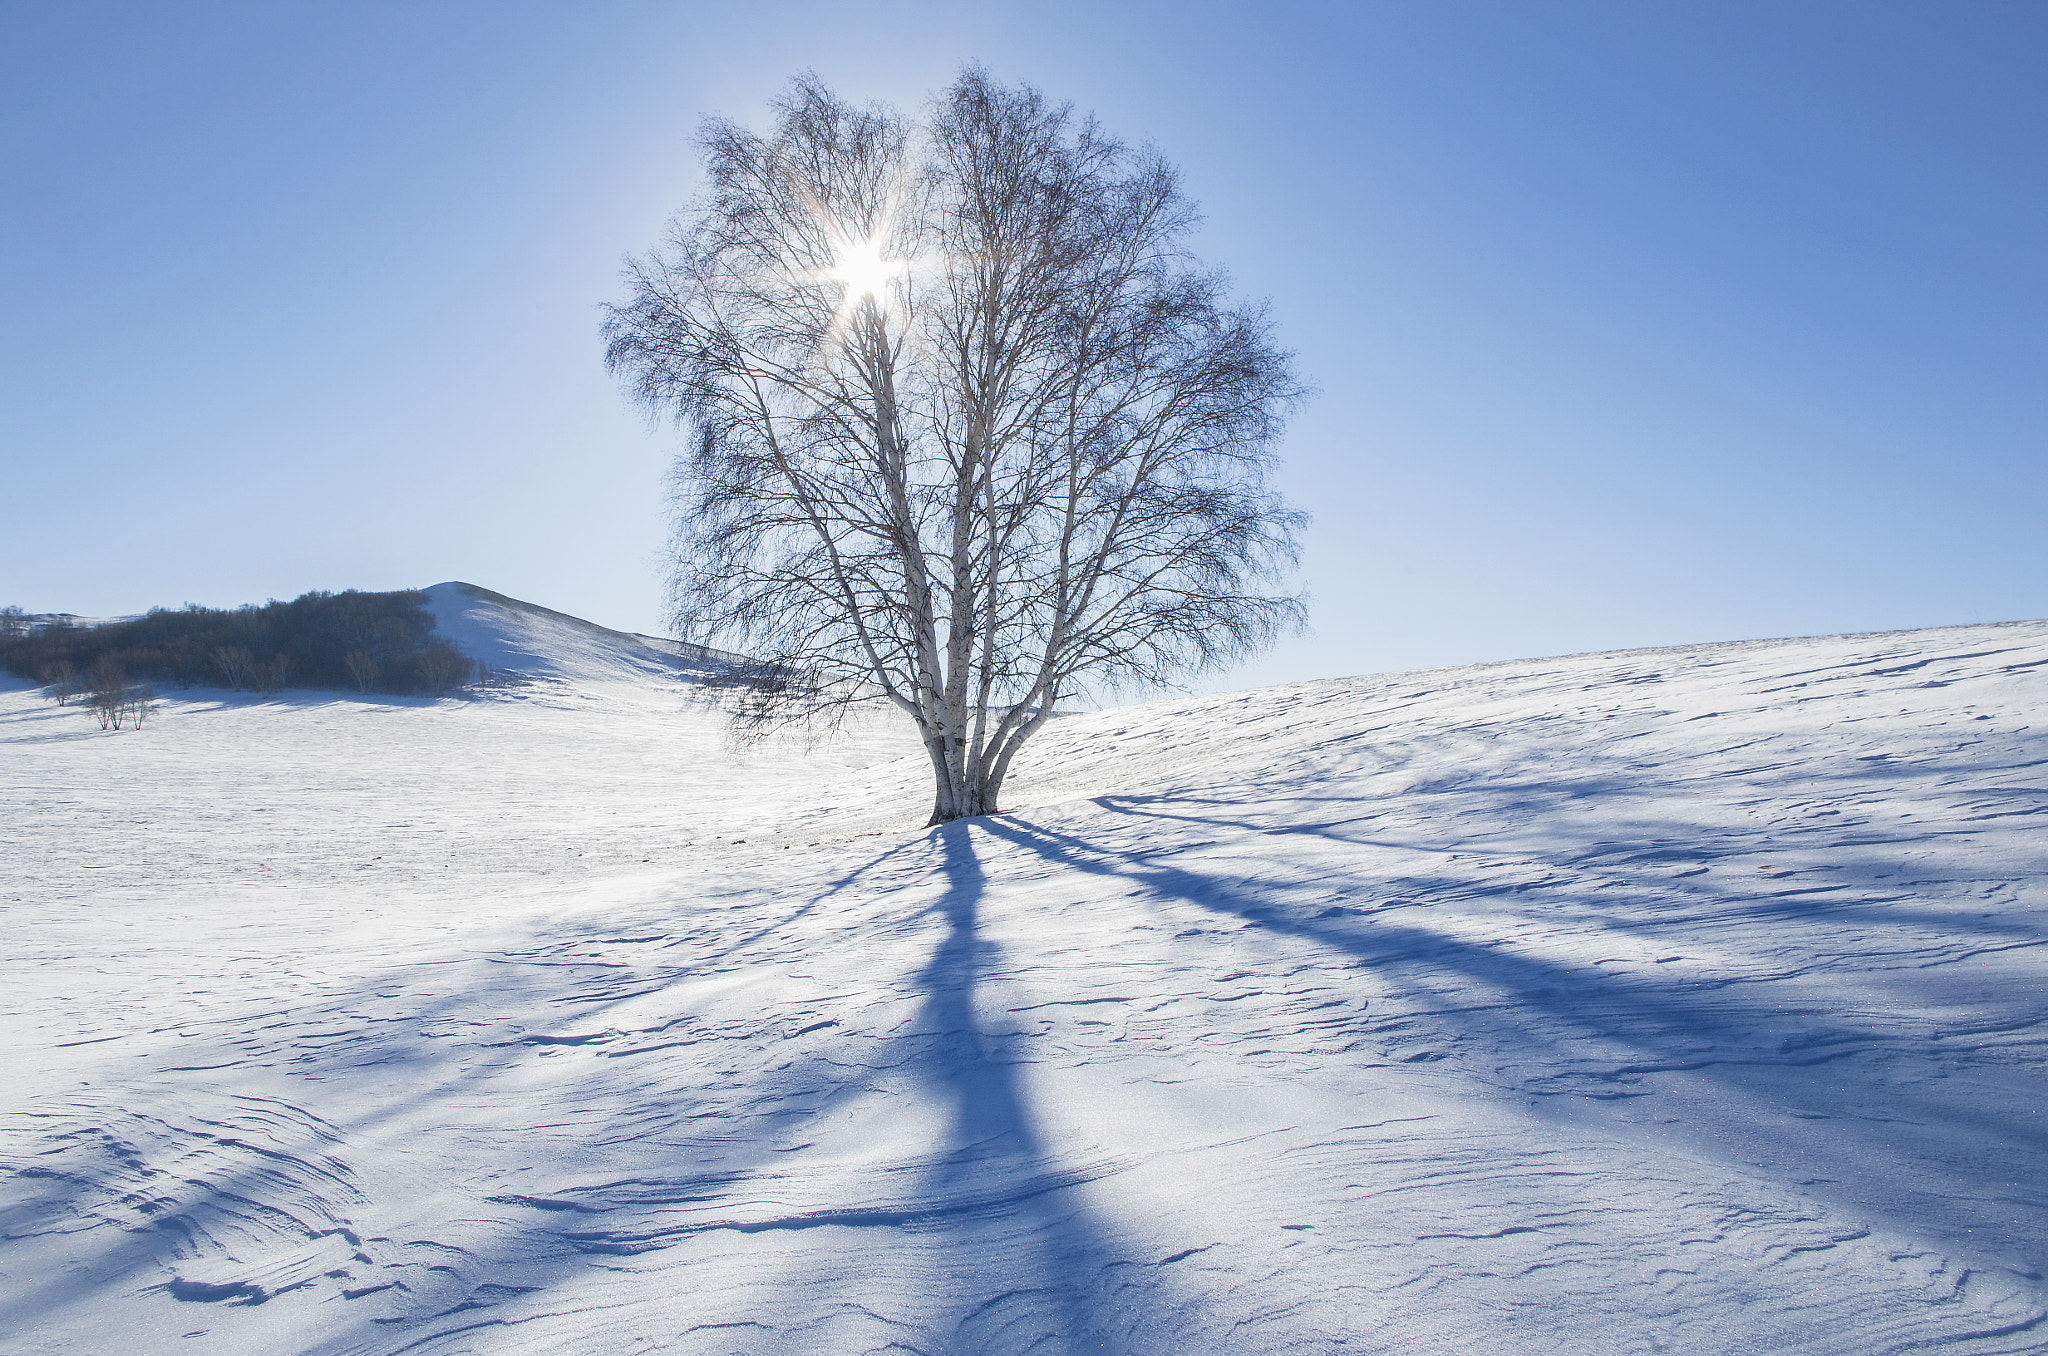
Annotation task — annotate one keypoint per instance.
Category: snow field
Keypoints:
(1681, 1001)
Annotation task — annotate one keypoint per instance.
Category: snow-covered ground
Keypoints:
(1672, 1001)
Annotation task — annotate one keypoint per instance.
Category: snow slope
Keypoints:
(524, 641)
(1671, 1001)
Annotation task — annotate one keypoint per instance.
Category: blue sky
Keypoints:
(1635, 323)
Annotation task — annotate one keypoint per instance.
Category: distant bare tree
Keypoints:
(362, 669)
(13, 623)
(141, 704)
(269, 675)
(233, 663)
(969, 428)
(116, 702)
(63, 680)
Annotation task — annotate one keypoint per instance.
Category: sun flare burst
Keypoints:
(866, 283)
(858, 266)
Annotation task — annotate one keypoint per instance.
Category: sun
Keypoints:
(859, 267)
(869, 305)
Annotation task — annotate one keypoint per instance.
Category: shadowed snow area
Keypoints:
(1685, 1000)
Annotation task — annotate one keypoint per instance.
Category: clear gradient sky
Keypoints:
(1636, 322)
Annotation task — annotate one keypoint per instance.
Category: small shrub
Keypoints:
(442, 667)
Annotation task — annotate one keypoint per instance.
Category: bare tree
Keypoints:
(108, 707)
(969, 428)
(115, 701)
(107, 694)
(63, 680)
(269, 675)
(362, 669)
(235, 664)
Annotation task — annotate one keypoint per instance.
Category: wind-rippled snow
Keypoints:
(1670, 1001)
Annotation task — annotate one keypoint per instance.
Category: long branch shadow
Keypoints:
(167, 1182)
(1012, 1258)
(1956, 1160)
(1663, 846)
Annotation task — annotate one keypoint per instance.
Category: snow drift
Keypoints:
(1686, 1000)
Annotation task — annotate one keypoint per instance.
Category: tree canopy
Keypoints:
(969, 428)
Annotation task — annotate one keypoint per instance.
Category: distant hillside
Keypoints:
(417, 640)
(369, 642)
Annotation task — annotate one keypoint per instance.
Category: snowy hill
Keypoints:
(1686, 1000)
(527, 641)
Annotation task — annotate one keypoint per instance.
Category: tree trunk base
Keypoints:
(942, 815)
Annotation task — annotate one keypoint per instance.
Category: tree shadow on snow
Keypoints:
(1024, 1253)
(983, 1227)
(1587, 1041)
